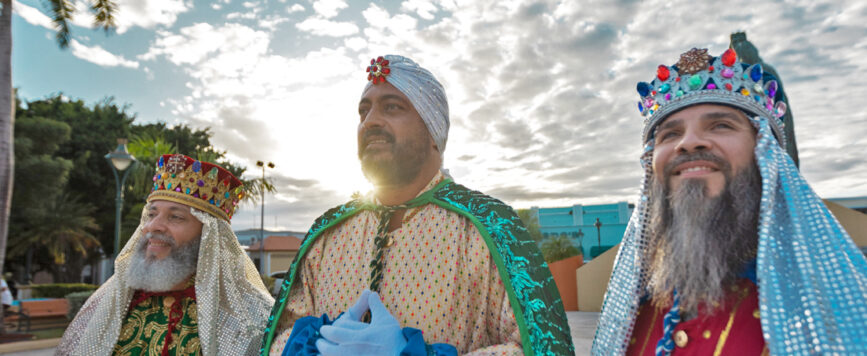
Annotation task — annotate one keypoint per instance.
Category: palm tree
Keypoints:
(63, 228)
(62, 10)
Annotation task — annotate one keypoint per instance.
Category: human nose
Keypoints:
(372, 118)
(693, 141)
(155, 224)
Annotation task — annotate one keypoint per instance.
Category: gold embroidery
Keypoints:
(706, 334)
(725, 333)
(647, 337)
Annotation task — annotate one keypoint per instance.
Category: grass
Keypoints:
(48, 333)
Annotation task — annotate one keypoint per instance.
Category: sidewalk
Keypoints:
(582, 324)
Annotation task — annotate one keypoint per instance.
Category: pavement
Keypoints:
(582, 324)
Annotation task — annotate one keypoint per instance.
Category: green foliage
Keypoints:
(268, 281)
(531, 222)
(76, 301)
(559, 247)
(60, 290)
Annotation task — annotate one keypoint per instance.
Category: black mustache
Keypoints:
(376, 132)
(697, 156)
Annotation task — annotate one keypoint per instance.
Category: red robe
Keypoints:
(733, 329)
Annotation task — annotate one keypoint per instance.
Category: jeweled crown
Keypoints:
(699, 78)
(202, 185)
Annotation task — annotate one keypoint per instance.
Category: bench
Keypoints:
(46, 313)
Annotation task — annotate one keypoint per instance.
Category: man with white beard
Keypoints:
(729, 251)
(182, 284)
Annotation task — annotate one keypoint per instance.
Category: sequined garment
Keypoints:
(145, 327)
(461, 268)
(232, 303)
(812, 278)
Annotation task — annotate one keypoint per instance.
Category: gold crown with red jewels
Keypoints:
(202, 185)
(698, 78)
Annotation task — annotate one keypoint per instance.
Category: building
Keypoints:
(247, 237)
(855, 203)
(595, 227)
(278, 252)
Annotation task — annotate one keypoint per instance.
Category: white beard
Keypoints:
(148, 274)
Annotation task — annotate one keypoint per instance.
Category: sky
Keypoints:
(541, 94)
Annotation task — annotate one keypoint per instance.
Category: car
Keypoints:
(278, 282)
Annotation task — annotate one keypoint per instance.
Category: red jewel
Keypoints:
(372, 61)
(368, 69)
(386, 70)
(385, 63)
(379, 59)
(370, 76)
(729, 57)
(204, 197)
(729, 86)
(214, 189)
(710, 69)
(677, 79)
(662, 72)
(653, 93)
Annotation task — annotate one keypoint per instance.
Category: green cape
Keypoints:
(532, 293)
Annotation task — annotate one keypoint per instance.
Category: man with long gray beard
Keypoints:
(182, 284)
(729, 251)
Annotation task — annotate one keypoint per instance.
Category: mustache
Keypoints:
(158, 237)
(376, 132)
(696, 156)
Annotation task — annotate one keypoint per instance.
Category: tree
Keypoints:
(559, 247)
(531, 222)
(63, 11)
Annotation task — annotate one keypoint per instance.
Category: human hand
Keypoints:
(349, 336)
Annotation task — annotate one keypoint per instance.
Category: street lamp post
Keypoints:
(262, 221)
(119, 160)
(580, 236)
(598, 225)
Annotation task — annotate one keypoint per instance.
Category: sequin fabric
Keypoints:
(232, 303)
(812, 278)
(445, 274)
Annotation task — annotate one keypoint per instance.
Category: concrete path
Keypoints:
(582, 324)
(583, 327)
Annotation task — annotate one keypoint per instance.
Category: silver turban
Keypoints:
(423, 90)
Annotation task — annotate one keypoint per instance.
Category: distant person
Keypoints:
(182, 284)
(5, 295)
(12, 284)
(729, 250)
(438, 268)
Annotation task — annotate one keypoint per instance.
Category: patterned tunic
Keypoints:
(144, 329)
(438, 277)
(733, 329)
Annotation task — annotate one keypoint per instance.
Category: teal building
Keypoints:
(596, 228)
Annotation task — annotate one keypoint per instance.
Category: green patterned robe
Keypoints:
(144, 330)
(532, 293)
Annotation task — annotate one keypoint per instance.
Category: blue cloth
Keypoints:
(415, 345)
(305, 332)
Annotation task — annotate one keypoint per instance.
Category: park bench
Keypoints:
(47, 313)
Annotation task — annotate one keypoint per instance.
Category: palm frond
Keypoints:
(103, 11)
(62, 12)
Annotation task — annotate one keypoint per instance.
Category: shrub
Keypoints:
(76, 301)
(268, 281)
(59, 290)
(559, 247)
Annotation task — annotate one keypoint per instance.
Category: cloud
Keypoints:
(295, 8)
(149, 13)
(99, 56)
(423, 8)
(541, 94)
(323, 27)
(32, 15)
(329, 8)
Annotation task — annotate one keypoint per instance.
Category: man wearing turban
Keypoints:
(182, 284)
(729, 251)
(422, 265)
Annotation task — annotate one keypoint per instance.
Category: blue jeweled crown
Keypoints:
(699, 78)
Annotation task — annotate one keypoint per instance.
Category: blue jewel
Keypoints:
(640, 107)
(197, 166)
(160, 163)
(211, 201)
(643, 89)
(756, 72)
(170, 186)
(664, 88)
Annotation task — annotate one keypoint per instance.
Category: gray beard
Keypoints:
(700, 245)
(152, 275)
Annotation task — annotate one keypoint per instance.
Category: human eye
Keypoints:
(666, 135)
